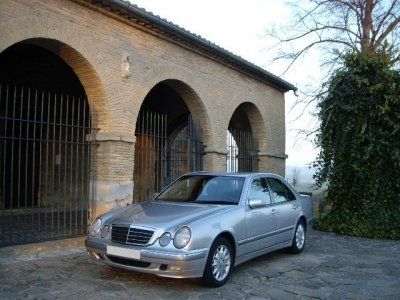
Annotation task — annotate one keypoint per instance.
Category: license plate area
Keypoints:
(123, 252)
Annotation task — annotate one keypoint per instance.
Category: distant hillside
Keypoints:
(306, 174)
(306, 183)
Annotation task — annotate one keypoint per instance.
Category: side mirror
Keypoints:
(257, 203)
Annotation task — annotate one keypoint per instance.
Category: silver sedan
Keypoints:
(202, 225)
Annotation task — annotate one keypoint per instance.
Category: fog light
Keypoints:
(97, 256)
(174, 268)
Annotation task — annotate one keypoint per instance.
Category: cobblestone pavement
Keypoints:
(331, 267)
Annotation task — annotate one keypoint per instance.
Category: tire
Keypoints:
(216, 255)
(299, 238)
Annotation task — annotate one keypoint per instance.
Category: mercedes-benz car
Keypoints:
(202, 225)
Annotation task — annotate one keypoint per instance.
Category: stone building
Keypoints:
(103, 103)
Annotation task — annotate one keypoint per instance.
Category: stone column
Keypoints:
(112, 171)
(215, 159)
(272, 162)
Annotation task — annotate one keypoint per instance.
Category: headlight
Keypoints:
(95, 227)
(182, 237)
(104, 231)
(165, 238)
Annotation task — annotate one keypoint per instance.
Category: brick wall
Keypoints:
(95, 44)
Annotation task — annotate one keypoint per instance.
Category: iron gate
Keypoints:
(44, 165)
(160, 156)
(242, 149)
(150, 154)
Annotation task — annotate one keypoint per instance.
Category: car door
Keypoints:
(261, 221)
(287, 209)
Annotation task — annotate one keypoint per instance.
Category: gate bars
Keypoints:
(150, 155)
(44, 165)
(161, 158)
(242, 149)
(185, 151)
(195, 145)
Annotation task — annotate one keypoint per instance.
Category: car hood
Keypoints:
(165, 215)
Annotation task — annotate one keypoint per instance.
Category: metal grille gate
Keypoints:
(150, 154)
(44, 165)
(242, 149)
(160, 158)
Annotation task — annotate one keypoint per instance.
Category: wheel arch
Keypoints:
(304, 220)
(230, 238)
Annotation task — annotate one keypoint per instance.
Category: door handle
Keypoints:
(274, 212)
(295, 206)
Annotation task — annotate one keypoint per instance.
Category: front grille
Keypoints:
(124, 234)
(119, 234)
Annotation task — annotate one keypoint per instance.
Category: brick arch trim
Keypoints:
(75, 49)
(187, 86)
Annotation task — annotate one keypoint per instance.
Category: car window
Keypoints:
(289, 193)
(207, 189)
(259, 190)
(222, 189)
(182, 190)
(278, 190)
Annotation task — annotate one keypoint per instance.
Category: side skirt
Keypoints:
(243, 258)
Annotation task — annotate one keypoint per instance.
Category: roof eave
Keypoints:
(131, 11)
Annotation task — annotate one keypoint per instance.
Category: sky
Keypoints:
(240, 27)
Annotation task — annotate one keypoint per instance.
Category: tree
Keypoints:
(340, 26)
(358, 110)
(296, 176)
(359, 137)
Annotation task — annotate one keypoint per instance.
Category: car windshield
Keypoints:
(206, 189)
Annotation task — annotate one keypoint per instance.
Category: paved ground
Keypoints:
(334, 267)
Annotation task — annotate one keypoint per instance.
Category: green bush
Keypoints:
(359, 137)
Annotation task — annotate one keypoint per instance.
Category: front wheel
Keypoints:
(299, 238)
(219, 263)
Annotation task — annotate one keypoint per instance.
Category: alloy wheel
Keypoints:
(221, 263)
(300, 236)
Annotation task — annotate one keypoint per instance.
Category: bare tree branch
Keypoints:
(335, 27)
(355, 25)
(382, 19)
(321, 41)
(388, 30)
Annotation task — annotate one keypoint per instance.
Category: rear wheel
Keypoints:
(219, 263)
(299, 238)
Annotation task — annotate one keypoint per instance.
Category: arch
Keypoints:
(246, 137)
(45, 154)
(75, 49)
(258, 125)
(255, 121)
(168, 136)
(187, 85)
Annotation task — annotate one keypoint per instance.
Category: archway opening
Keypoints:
(44, 153)
(241, 142)
(168, 139)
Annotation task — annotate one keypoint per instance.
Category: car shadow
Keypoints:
(131, 278)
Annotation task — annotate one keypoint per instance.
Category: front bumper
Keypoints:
(154, 260)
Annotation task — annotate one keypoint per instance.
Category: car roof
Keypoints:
(234, 174)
